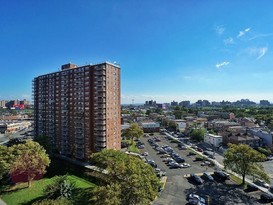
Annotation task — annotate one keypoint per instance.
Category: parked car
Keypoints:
(262, 183)
(141, 147)
(192, 153)
(211, 156)
(152, 163)
(195, 199)
(199, 149)
(199, 159)
(208, 176)
(221, 175)
(179, 159)
(205, 163)
(251, 187)
(167, 160)
(196, 179)
(174, 165)
(145, 154)
(266, 198)
(185, 165)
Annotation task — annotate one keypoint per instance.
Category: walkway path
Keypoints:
(2, 202)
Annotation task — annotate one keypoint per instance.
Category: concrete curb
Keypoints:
(2, 202)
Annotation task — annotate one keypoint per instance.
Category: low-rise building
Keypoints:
(252, 141)
(215, 140)
(150, 126)
(264, 135)
(181, 124)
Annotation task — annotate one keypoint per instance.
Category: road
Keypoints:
(4, 138)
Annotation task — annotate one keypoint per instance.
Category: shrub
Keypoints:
(61, 187)
(264, 151)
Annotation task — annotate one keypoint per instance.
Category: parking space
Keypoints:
(178, 186)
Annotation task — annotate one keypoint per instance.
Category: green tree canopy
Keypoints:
(133, 131)
(29, 158)
(198, 134)
(243, 160)
(137, 182)
(107, 195)
(5, 160)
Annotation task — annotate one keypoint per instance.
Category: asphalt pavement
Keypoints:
(178, 186)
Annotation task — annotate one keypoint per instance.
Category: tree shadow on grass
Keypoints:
(32, 201)
(12, 188)
(80, 197)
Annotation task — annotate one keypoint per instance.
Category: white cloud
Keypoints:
(257, 52)
(263, 35)
(242, 33)
(219, 65)
(229, 41)
(220, 30)
(262, 52)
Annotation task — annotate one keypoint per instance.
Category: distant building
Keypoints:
(265, 136)
(181, 124)
(3, 103)
(150, 103)
(185, 104)
(174, 103)
(150, 126)
(215, 140)
(245, 138)
(264, 103)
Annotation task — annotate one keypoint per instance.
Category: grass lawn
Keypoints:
(133, 148)
(21, 194)
(236, 179)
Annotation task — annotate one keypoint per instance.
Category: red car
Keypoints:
(199, 149)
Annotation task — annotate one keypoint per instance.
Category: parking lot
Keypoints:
(178, 185)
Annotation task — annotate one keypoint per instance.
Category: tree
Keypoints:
(5, 160)
(137, 182)
(133, 131)
(30, 159)
(172, 125)
(198, 134)
(243, 160)
(107, 195)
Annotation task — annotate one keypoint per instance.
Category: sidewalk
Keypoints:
(2, 202)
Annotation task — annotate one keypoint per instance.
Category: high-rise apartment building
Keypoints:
(78, 108)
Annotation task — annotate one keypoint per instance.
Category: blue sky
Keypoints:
(168, 50)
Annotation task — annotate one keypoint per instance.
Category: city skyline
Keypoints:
(178, 51)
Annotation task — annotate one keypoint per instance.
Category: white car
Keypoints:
(145, 154)
(185, 165)
(195, 199)
(262, 183)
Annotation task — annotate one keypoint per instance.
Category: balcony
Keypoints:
(100, 123)
(100, 72)
(100, 117)
(101, 139)
(100, 128)
(101, 144)
(100, 133)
